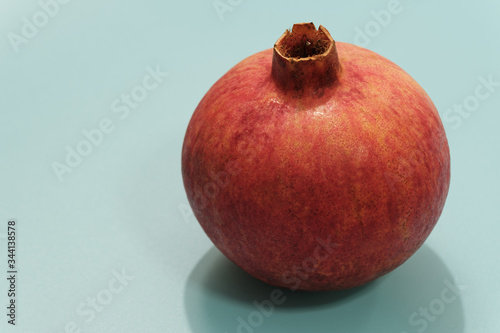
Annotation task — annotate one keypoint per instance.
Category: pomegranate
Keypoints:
(316, 165)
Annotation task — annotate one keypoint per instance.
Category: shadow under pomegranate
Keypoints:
(220, 297)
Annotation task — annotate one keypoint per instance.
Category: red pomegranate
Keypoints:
(316, 165)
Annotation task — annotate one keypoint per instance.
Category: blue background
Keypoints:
(122, 210)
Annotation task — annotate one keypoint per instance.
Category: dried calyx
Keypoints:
(303, 45)
(305, 60)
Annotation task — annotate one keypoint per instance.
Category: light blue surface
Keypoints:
(118, 228)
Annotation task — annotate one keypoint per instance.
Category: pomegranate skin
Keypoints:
(318, 190)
